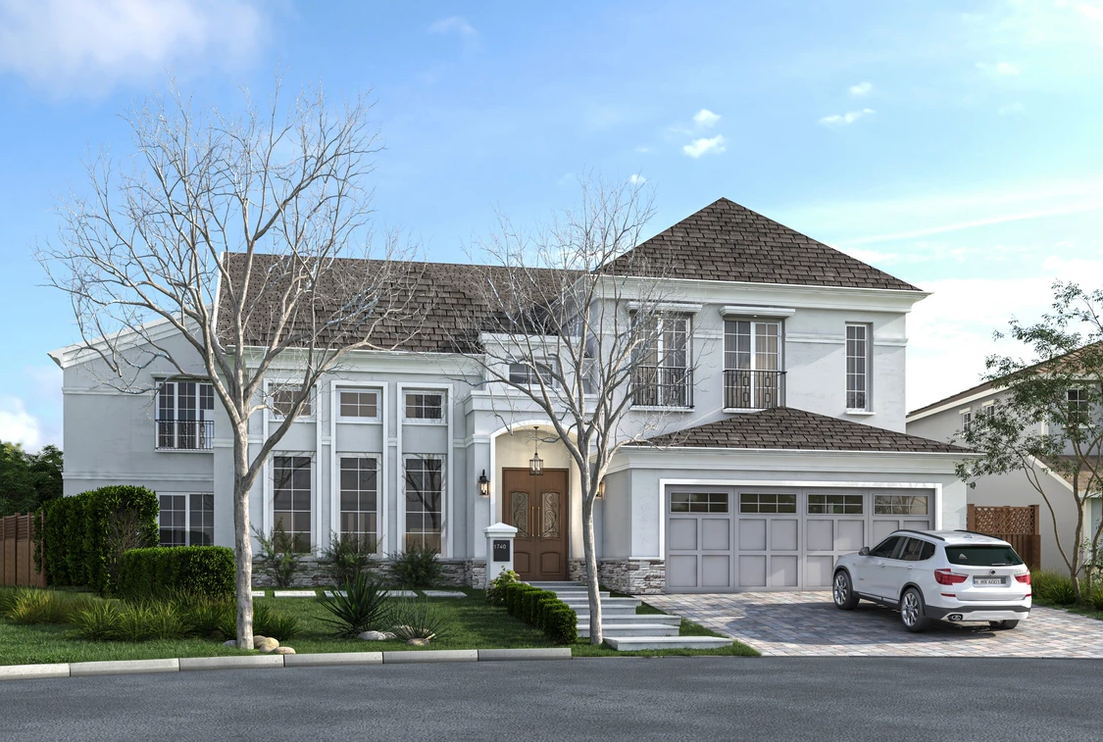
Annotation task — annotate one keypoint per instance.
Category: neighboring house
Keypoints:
(788, 404)
(946, 419)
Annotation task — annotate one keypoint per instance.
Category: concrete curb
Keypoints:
(271, 661)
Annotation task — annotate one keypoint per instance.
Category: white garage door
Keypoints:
(719, 541)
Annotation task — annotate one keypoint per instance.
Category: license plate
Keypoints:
(987, 580)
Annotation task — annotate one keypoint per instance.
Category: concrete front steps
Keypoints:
(625, 630)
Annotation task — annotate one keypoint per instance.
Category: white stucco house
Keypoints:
(791, 445)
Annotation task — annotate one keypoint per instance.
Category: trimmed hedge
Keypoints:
(82, 538)
(543, 609)
(207, 571)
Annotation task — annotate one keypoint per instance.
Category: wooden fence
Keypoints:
(1018, 526)
(17, 552)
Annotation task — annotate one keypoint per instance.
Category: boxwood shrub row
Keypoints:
(81, 539)
(163, 571)
(544, 610)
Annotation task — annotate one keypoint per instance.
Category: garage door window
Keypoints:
(698, 502)
(900, 505)
(751, 503)
(835, 504)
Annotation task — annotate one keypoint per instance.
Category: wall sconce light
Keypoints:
(536, 464)
(484, 485)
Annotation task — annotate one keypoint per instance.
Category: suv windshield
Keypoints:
(983, 556)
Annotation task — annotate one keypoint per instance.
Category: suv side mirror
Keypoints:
(864, 551)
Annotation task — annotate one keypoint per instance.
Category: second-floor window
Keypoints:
(185, 415)
(1078, 406)
(427, 406)
(663, 376)
(358, 404)
(525, 374)
(753, 376)
(284, 399)
(857, 368)
(966, 421)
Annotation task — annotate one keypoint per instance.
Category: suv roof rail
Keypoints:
(978, 533)
(921, 533)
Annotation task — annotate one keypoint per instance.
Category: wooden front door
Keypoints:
(537, 508)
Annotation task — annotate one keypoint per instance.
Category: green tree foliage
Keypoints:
(1049, 420)
(28, 480)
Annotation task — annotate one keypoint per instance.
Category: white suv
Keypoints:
(954, 576)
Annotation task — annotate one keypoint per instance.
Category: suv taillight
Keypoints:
(946, 577)
(1025, 579)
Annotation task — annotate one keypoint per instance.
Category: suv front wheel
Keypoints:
(912, 611)
(843, 592)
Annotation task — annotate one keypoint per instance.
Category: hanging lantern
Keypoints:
(536, 464)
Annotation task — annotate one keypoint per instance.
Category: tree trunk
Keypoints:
(1074, 568)
(593, 588)
(243, 544)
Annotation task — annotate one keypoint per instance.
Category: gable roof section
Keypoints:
(728, 242)
(786, 428)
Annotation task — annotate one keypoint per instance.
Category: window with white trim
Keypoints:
(752, 364)
(185, 415)
(662, 376)
(186, 520)
(360, 500)
(292, 485)
(900, 505)
(858, 368)
(358, 404)
(524, 374)
(1078, 406)
(424, 501)
(283, 400)
(425, 406)
(966, 420)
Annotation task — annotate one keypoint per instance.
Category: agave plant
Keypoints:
(361, 606)
(419, 619)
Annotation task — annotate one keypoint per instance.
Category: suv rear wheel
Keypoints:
(843, 592)
(912, 611)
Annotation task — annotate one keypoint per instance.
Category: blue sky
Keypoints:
(955, 144)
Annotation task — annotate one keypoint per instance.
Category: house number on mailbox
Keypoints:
(501, 550)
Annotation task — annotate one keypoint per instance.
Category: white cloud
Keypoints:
(844, 119)
(19, 426)
(950, 332)
(862, 88)
(88, 48)
(706, 118)
(454, 24)
(999, 68)
(1010, 108)
(643, 149)
(637, 179)
(702, 146)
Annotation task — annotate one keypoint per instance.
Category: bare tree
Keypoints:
(1050, 420)
(582, 326)
(237, 232)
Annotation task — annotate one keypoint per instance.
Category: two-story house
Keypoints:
(785, 387)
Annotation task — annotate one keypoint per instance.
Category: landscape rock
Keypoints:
(374, 636)
(265, 644)
(389, 635)
(230, 643)
(283, 650)
(418, 642)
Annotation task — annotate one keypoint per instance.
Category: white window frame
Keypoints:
(661, 318)
(274, 416)
(377, 391)
(335, 498)
(203, 415)
(445, 498)
(753, 321)
(867, 368)
(966, 419)
(401, 449)
(445, 405)
(187, 515)
(270, 509)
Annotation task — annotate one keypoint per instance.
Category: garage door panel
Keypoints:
(918, 525)
(716, 534)
(850, 535)
(783, 571)
(783, 535)
(683, 534)
(752, 534)
(716, 571)
(881, 530)
(819, 535)
(752, 571)
(817, 571)
(681, 571)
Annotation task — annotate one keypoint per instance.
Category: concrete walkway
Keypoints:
(807, 624)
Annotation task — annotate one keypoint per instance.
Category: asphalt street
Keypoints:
(692, 698)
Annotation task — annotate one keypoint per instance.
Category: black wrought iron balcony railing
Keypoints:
(753, 390)
(662, 386)
(185, 435)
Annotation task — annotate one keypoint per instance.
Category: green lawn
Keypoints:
(476, 625)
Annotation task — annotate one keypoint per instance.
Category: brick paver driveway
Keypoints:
(808, 624)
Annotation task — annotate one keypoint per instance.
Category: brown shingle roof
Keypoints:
(728, 242)
(786, 428)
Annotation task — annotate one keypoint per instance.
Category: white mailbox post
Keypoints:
(499, 550)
